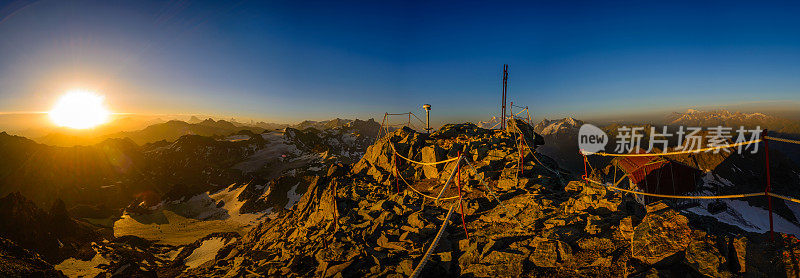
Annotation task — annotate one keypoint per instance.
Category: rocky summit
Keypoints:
(532, 219)
(339, 202)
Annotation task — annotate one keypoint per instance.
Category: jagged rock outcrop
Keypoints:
(54, 234)
(101, 174)
(533, 139)
(16, 261)
(345, 140)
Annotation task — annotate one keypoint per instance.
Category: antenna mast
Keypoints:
(505, 89)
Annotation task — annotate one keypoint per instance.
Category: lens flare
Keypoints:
(80, 109)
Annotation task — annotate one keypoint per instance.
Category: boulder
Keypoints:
(507, 183)
(704, 258)
(432, 154)
(661, 234)
(574, 186)
(479, 152)
(596, 244)
(737, 251)
(624, 231)
(550, 253)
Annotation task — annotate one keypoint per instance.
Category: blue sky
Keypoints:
(293, 60)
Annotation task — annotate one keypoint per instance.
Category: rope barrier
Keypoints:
(419, 162)
(677, 196)
(420, 120)
(435, 243)
(446, 184)
(783, 197)
(385, 126)
(397, 172)
(782, 140)
(560, 179)
(674, 153)
(423, 194)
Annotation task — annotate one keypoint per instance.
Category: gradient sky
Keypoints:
(294, 60)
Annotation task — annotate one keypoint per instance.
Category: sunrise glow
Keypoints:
(80, 109)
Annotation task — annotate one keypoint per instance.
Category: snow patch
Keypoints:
(271, 153)
(206, 252)
(238, 137)
(747, 217)
(187, 222)
(76, 268)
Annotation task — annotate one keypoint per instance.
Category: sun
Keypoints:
(80, 109)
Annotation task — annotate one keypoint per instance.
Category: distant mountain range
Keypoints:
(173, 129)
(174, 159)
(777, 126)
(558, 127)
(561, 136)
(733, 119)
(561, 141)
(169, 131)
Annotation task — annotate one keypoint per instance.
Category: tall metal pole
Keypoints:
(767, 188)
(505, 88)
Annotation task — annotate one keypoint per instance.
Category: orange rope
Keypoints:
(420, 193)
(419, 162)
(783, 197)
(677, 196)
(782, 140)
